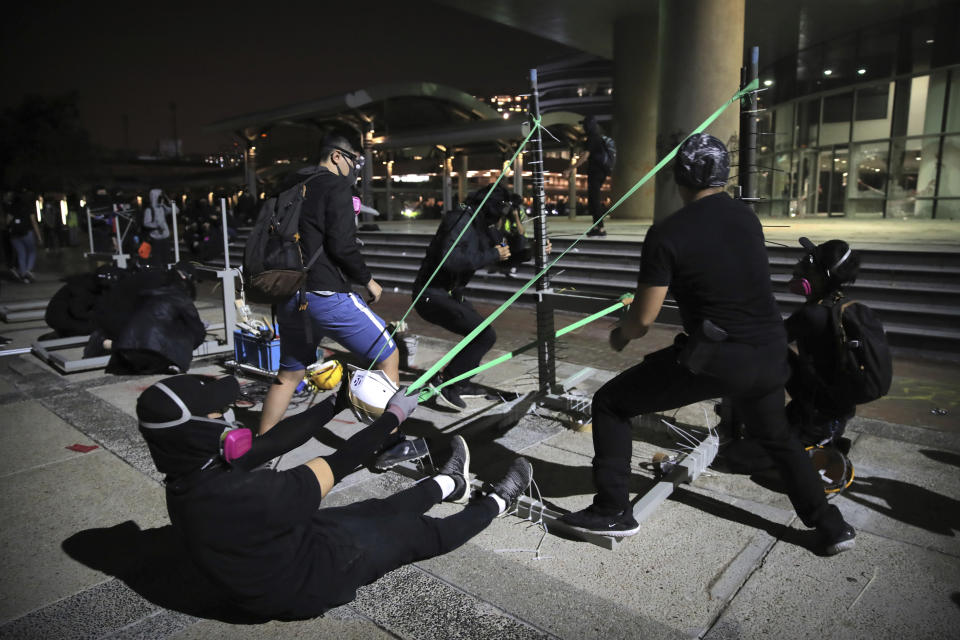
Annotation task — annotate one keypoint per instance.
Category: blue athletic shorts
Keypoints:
(342, 317)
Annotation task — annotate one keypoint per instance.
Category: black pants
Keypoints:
(595, 180)
(752, 375)
(457, 315)
(376, 536)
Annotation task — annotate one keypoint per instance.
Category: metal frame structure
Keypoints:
(24, 311)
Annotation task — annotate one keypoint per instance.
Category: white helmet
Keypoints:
(369, 392)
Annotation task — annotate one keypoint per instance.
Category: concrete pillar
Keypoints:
(250, 169)
(572, 189)
(447, 193)
(389, 189)
(462, 181)
(635, 82)
(518, 175)
(701, 52)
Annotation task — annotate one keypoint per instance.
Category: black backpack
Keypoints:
(273, 263)
(864, 366)
(609, 153)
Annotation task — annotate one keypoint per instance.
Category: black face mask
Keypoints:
(351, 176)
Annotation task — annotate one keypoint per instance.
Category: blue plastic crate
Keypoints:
(253, 351)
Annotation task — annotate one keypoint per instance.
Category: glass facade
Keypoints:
(867, 125)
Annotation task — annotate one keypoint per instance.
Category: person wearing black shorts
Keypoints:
(712, 257)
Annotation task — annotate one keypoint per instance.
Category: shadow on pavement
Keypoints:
(154, 564)
(908, 503)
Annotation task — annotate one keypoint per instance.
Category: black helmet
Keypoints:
(702, 162)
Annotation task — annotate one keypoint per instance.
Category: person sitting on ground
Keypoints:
(71, 310)
(148, 322)
(442, 302)
(260, 536)
(815, 410)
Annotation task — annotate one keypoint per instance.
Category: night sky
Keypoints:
(220, 59)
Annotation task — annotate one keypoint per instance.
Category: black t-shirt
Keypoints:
(712, 255)
(251, 534)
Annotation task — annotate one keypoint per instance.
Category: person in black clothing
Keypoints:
(442, 302)
(599, 167)
(711, 255)
(328, 225)
(71, 310)
(148, 322)
(259, 537)
(815, 411)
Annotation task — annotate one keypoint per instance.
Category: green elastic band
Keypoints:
(457, 348)
(477, 210)
(429, 392)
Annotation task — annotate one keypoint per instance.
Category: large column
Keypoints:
(367, 186)
(462, 180)
(518, 175)
(572, 189)
(701, 52)
(388, 188)
(635, 74)
(447, 188)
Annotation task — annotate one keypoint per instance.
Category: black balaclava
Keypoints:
(172, 416)
(496, 205)
(702, 162)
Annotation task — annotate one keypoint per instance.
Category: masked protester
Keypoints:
(328, 223)
(711, 254)
(258, 535)
(816, 410)
(442, 301)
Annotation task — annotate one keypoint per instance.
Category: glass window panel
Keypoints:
(953, 103)
(927, 169)
(933, 111)
(918, 105)
(783, 126)
(837, 111)
(839, 64)
(869, 167)
(950, 168)
(902, 185)
(809, 69)
(762, 178)
(781, 177)
(808, 123)
(948, 209)
(922, 209)
(874, 108)
(877, 48)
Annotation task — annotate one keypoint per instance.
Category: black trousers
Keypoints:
(374, 537)
(595, 180)
(752, 375)
(457, 315)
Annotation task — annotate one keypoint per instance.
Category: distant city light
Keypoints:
(930, 41)
(828, 72)
(860, 72)
(39, 204)
(63, 211)
(506, 116)
(917, 158)
(768, 83)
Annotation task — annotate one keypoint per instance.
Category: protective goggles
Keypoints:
(355, 158)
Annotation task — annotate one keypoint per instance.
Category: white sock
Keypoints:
(447, 485)
(501, 503)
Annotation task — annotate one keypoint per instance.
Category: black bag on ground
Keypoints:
(273, 263)
(864, 366)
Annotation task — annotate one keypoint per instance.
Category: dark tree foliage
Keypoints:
(43, 146)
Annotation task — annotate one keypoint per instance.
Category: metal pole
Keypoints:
(546, 356)
(90, 229)
(226, 242)
(748, 130)
(176, 236)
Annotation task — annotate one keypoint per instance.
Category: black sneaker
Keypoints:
(467, 389)
(515, 482)
(449, 398)
(843, 542)
(597, 232)
(589, 520)
(406, 451)
(458, 468)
